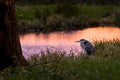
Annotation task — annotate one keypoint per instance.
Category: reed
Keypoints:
(55, 65)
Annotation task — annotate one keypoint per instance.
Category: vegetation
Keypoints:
(82, 2)
(47, 18)
(104, 65)
(30, 12)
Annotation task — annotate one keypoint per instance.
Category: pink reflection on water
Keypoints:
(34, 44)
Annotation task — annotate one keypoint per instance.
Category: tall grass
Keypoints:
(104, 65)
(109, 48)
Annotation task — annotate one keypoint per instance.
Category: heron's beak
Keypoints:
(77, 41)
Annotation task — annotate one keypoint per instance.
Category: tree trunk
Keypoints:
(10, 48)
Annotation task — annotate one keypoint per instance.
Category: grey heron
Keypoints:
(87, 46)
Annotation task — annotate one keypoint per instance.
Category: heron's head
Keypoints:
(81, 40)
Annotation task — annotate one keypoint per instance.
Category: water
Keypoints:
(36, 43)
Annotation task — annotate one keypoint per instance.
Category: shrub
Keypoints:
(54, 22)
(116, 16)
(30, 26)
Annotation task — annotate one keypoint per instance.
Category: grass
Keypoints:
(97, 12)
(26, 12)
(29, 12)
(104, 65)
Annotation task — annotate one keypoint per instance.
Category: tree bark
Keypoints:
(10, 48)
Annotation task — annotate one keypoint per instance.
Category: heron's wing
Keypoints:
(89, 46)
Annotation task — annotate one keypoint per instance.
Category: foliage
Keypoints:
(47, 18)
(104, 65)
(116, 16)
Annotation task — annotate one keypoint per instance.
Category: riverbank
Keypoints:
(49, 18)
(104, 65)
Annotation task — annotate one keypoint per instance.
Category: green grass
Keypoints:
(104, 65)
(29, 12)
(26, 12)
(97, 11)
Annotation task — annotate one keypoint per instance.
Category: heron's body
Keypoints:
(87, 46)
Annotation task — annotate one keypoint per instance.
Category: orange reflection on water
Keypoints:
(61, 38)
(101, 33)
